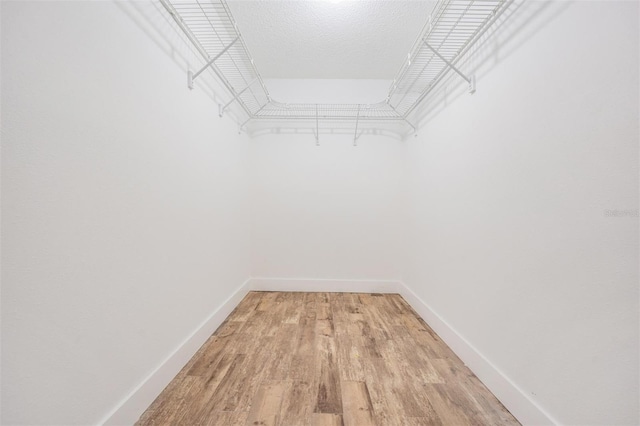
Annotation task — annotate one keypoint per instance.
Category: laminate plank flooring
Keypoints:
(325, 359)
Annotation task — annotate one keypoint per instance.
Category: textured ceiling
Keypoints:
(366, 39)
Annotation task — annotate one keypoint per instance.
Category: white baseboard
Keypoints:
(130, 408)
(527, 411)
(325, 285)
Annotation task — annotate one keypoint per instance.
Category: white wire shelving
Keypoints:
(209, 25)
(452, 29)
(449, 33)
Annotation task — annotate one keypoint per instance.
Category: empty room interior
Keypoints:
(325, 212)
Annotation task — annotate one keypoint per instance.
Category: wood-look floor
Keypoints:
(325, 359)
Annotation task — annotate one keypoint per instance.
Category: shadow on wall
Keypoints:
(521, 21)
(154, 20)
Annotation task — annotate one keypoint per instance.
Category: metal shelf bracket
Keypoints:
(471, 80)
(355, 135)
(317, 128)
(222, 109)
(191, 76)
(472, 84)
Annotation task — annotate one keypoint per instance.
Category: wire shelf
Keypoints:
(275, 110)
(210, 26)
(451, 30)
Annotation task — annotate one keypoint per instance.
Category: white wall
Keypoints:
(124, 221)
(509, 239)
(328, 211)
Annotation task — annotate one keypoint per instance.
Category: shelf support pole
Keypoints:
(317, 128)
(236, 96)
(471, 80)
(191, 76)
(355, 135)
